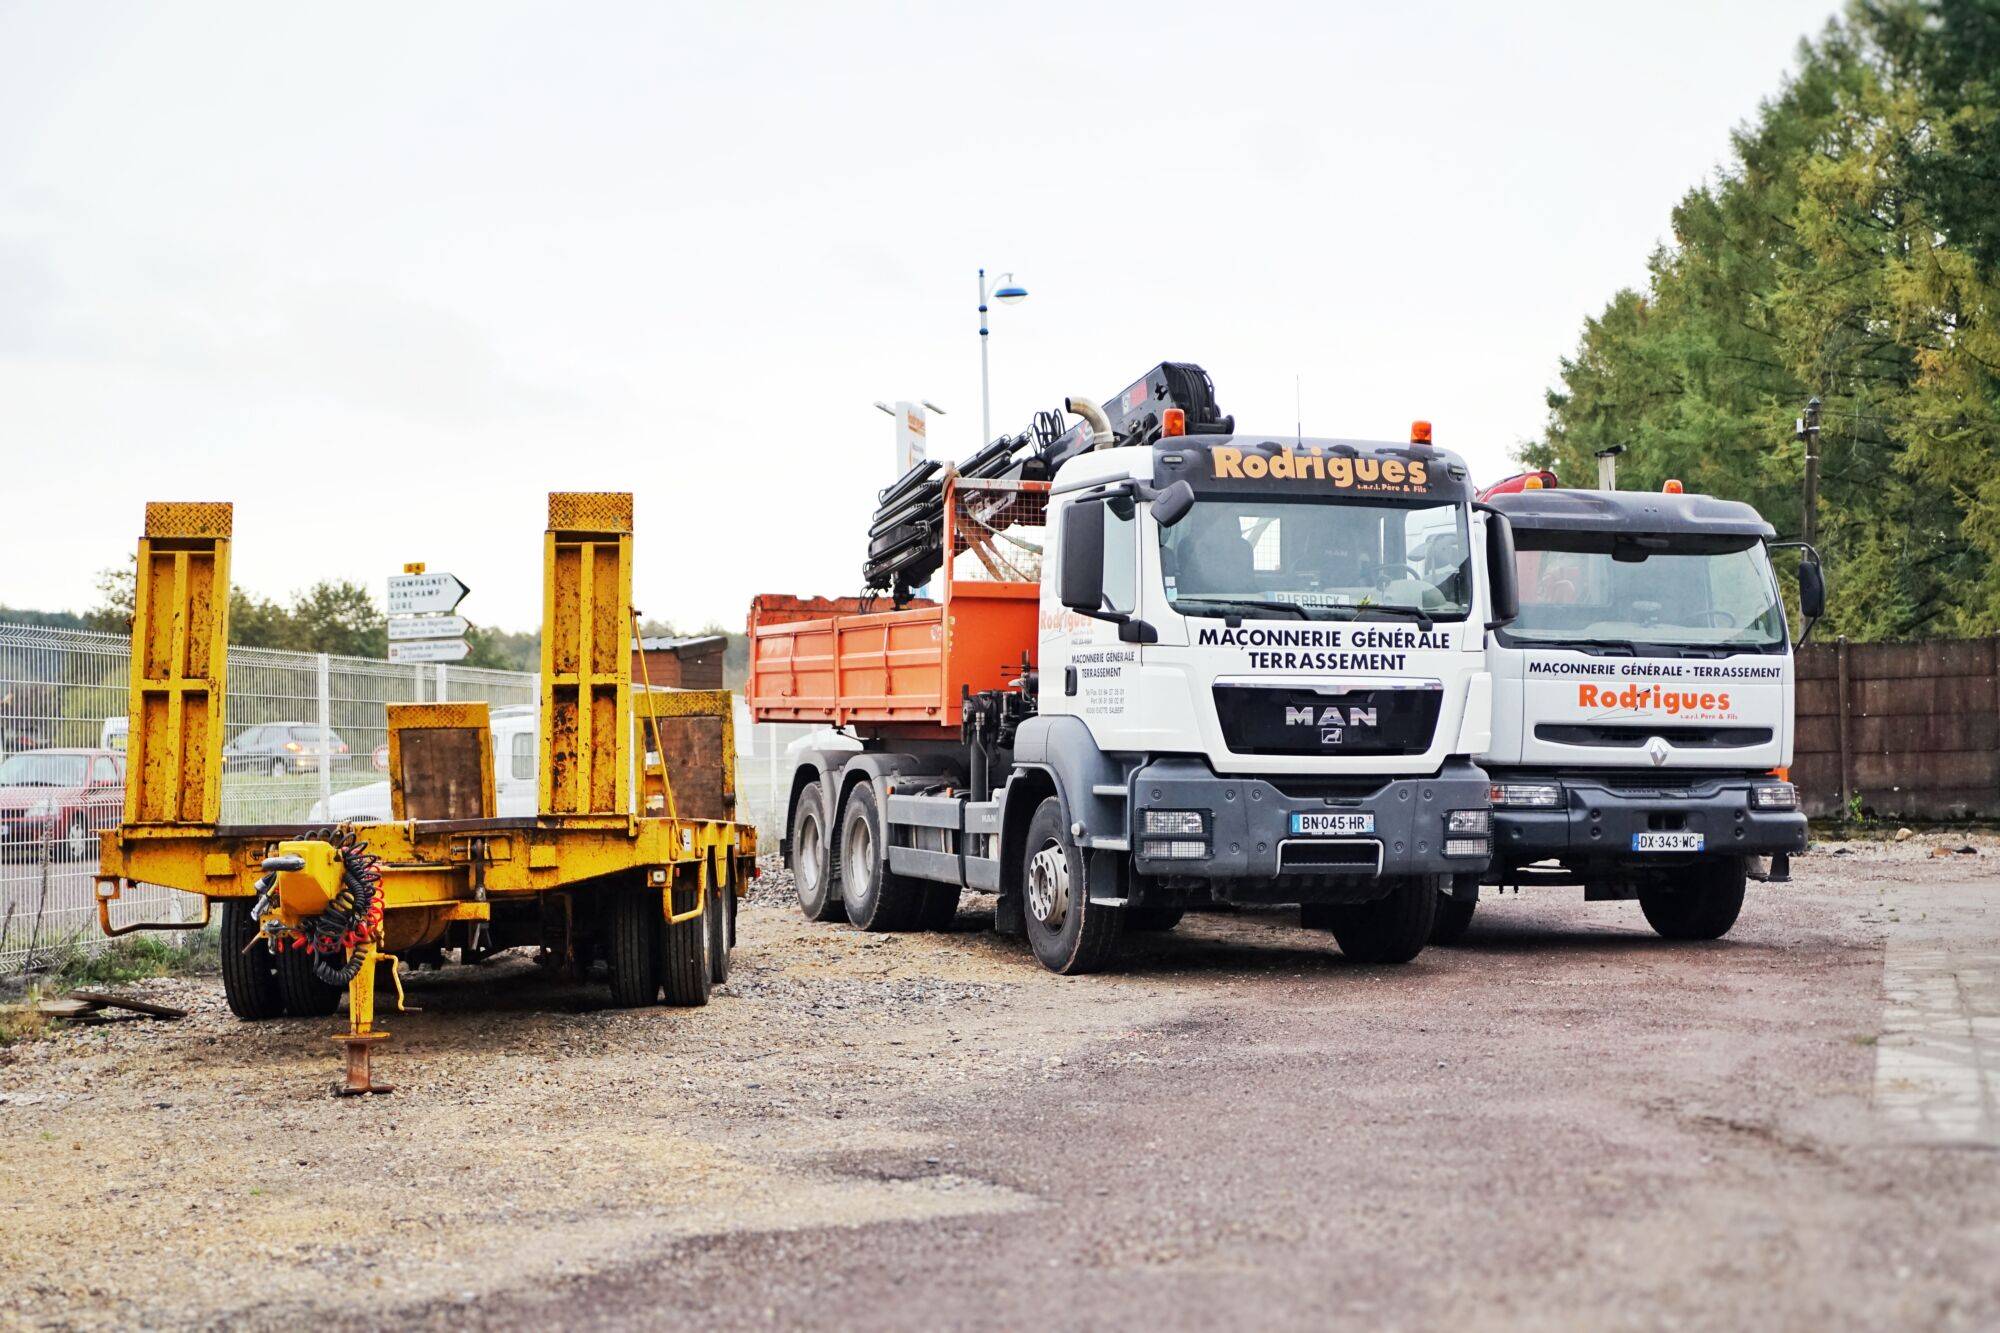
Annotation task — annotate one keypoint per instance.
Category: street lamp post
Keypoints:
(1012, 293)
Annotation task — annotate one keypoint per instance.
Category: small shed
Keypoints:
(693, 663)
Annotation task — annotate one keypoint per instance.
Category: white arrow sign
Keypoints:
(429, 650)
(419, 594)
(427, 627)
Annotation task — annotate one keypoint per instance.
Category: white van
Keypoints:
(514, 756)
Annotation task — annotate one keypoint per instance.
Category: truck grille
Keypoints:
(1686, 738)
(1259, 719)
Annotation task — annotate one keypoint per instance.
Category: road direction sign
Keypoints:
(429, 650)
(427, 627)
(420, 594)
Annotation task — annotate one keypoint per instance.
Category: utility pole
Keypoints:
(1807, 430)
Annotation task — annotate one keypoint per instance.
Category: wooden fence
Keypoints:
(1907, 730)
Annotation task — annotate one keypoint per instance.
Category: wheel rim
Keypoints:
(807, 854)
(858, 856)
(1048, 885)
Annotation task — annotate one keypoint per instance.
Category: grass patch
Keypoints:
(138, 957)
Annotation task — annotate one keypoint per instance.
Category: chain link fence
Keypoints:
(300, 727)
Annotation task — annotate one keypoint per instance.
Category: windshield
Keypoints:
(43, 770)
(1315, 560)
(1641, 593)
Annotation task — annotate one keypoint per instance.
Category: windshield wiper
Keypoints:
(1259, 603)
(1423, 618)
(1624, 646)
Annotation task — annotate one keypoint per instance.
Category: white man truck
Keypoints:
(1643, 715)
(1169, 661)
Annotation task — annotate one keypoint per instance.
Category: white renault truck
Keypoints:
(1643, 716)
(1169, 660)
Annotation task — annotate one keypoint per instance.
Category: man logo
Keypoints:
(1329, 716)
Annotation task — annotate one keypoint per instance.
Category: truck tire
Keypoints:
(1154, 917)
(684, 963)
(249, 974)
(813, 867)
(1703, 905)
(306, 996)
(940, 907)
(716, 918)
(1454, 915)
(876, 897)
(1393, 928)
(1070, 934)
(634, 953)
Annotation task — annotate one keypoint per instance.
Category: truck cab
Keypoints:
(1643, 717)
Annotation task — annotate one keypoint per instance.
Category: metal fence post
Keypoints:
(441, 690)
(325, 730)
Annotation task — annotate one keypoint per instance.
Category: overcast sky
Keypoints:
(384, 275)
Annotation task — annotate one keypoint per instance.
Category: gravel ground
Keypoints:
(1564, 1121)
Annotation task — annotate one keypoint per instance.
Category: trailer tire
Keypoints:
(306, 996)
(1070, 934)
(1393, 928)
(814, 877)
(634, 952)
(876, 897)
(716, 918)
(249, 974)
(1454, 917)
(1703, 906)
(684, 961)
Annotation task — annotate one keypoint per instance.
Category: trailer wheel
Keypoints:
(634, 952)
(684, 962)
(249, 974)
(1702, 906)
(876, 897)
(1393, 928)
(716, 918)
(813, 876)
(1454, 916)
(1069, 933)
(306, 996)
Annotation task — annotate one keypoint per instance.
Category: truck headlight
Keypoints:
(1185, 823)
(1774, 796)
(1531, 795)
(1174, 849)
(1465, 847)
(1468, 821)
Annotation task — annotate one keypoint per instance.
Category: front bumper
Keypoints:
(1249, 835)
(1596, 820)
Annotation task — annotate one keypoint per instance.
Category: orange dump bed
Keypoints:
(822, 660)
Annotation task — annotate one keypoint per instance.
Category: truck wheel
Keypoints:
(716, 918)
(249, 976)
(1392, 929)
(940, 907)
(1454, 915)
(635, 946)
(1153, 917)
(876, 898)
(306, 996)
(813, 876)
(1702, 906)
(1069, 933)
(684, 962)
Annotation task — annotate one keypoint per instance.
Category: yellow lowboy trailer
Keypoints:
(612, 866)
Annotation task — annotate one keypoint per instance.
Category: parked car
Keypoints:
(282, 748)
(59, 800)
(514, 763)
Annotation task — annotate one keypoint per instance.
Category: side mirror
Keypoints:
(1502, 581)
(1081, 585)
(1812, 589)
(1171, 505)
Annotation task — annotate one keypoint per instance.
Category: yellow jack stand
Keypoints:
(361, 1036)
